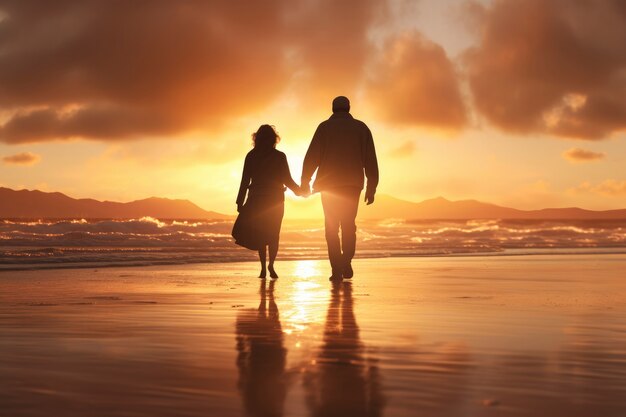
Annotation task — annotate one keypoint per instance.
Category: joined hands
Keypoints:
(303, 191)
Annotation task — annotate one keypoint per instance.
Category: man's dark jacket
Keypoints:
(343, 151)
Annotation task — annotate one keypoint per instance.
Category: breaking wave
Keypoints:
(149, 241)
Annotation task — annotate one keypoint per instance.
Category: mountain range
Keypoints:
(441, 208)
(39, 204)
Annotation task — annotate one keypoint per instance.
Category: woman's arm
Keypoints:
(245, 183)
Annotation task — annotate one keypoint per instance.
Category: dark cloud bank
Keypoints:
(108, 69)
(116, 70)
(552, 66)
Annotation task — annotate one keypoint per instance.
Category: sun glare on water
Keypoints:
(307, 298)
(306, 269)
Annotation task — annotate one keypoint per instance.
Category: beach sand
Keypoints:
(449, 336)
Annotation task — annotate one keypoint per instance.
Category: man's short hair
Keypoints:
(341, 103)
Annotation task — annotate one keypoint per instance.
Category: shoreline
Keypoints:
(156, 263)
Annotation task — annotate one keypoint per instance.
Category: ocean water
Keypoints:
(148, 241)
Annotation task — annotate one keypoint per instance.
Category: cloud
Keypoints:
(332, 46)
(582, 155)
(551, 66)
(405, 150)
(23, 158)
(415, 83)
(111, 70)
(607, 188)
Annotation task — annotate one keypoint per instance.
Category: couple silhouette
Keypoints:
(343, 154)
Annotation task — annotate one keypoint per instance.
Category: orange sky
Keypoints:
(516, 102)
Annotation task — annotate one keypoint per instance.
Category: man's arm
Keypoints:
(311, 160)
(371, 168)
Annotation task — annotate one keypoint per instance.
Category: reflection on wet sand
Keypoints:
(261, 357)
(508, 337)
(342, 380)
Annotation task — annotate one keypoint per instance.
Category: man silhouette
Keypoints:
(342, 151)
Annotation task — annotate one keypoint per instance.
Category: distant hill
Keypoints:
(39, 204)
(439, 208)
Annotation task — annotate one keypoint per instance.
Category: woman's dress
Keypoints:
(265, 174)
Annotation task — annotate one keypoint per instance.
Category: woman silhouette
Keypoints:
(265, 175)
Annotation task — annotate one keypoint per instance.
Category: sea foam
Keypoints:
(79, 242)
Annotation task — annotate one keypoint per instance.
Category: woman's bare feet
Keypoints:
(263, 273)
(273, 273)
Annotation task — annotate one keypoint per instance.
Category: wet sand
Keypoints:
(479, 336)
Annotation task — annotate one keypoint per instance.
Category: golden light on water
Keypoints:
(306, 269)
(304, 299)
(307, 297)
